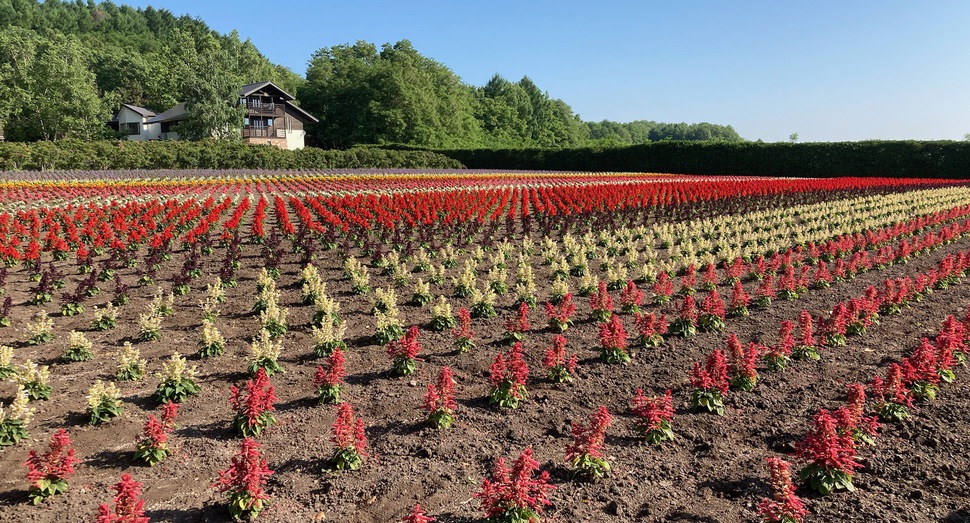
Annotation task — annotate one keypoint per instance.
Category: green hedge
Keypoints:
(940, 159)
(102, 155)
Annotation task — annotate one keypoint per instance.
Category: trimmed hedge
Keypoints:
(103, 155)
(918, 159)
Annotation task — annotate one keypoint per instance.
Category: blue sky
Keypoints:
(827, 70)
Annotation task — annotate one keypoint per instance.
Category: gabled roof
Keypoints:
(288, 98)
(173, 114)
(300, 112)
(249, 89)
(145, 113)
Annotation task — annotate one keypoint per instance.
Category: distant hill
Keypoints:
(65, 67)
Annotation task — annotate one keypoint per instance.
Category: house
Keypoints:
(271, 118)
(132, 121)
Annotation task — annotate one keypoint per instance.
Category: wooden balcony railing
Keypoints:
(263, 132)
(265, 109)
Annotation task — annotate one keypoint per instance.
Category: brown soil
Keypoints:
(712, 472)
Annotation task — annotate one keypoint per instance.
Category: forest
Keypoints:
(65, 68)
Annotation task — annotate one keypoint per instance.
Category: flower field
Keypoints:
(482, 346)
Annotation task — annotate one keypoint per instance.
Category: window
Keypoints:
(131, 128)
(269, 122)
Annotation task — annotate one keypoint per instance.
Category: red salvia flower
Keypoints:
(560, 316)
(258, 401)
(735, 270)
(245, 479)
(590, 439)
(556, 358)
(613, 335)
(169, 411)
(688, 282)
(824, 447)
(129, 508)
(348, 431)
(54, 465)
(515, 490)
(765, 291)
(713, 305)
(688, 310)
(441, 396)
(806, 336)
(463, 333)
(784, 506)
(332, 372)
(921, 365)
(601, 303)
(631, 298)
(709, 279)
(739, 299)
(651, 413)
(417, 515)
(519, 324)
(714, 374)
(663, 288)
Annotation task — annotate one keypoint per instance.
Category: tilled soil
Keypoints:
(712, 472)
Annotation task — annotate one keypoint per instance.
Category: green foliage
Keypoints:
(241, 424)
(345, 459)
(825, 480)
(936, 159)
(12, 430)
(45, 488)
(151, 454)
(176, 391)
(507, 395)
(269, 365)
(709, 400)
(104, 411)
(38, 391)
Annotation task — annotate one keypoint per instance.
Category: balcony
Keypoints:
(263, 132)
(264, 109)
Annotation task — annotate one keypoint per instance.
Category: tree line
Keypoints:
(65, 67)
